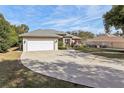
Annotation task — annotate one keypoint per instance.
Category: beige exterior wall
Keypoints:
(26, 39)
(118, 44)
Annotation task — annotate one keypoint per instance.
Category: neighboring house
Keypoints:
(39, 40)
(106, 41)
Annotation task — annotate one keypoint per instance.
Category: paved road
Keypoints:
(77, 67)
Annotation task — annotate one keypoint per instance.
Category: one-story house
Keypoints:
(106, 41)
(40, 40)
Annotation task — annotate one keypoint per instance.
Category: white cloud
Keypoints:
(60, 22)
(87, 15)
(91, 13)
(84, 20)
(88, 28)
(62, 19)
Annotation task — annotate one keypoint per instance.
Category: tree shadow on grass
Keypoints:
(14, 74)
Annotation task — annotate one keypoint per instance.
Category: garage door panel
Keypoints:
(40, 45)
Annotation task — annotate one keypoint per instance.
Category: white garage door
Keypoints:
(40, 45)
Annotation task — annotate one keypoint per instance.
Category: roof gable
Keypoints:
(42, 33)
(48, 33)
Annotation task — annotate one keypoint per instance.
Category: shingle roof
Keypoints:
(68, 35)
(76, 37)
(72, 36)
(107, 38)
(43, 33)
(48, 33)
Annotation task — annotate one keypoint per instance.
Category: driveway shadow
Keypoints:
(14, 74)
(76, 54)
(94, 76)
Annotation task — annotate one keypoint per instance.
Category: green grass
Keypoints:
(110, 53)
(87, 49)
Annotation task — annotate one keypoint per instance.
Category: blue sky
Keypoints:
(64, 18)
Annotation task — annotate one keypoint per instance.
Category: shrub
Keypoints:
(79, 47)
(62, 48)
(60, 43)
(3, 47)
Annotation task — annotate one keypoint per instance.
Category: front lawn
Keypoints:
(110, 53)
(14, 74)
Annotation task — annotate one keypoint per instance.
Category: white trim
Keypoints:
(26, 40)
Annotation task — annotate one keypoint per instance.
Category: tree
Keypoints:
(5, 30)
(85, 35)
(115, 18)
(13, 37)
(9, 34)
(22, 29)
(82, 34)
(107, 29)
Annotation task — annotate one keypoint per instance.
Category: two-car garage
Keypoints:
(41, 40)
(40, 44)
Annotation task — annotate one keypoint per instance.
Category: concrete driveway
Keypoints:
(77, 67)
